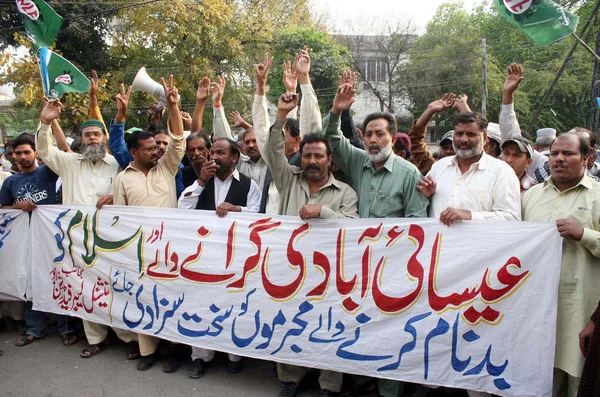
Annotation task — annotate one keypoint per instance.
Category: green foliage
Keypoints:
(447, 58)
(328, 60)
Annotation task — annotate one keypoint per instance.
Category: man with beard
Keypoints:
(309, 191)
(26, 190)
(222, 188)
(571, 199)
(87, 179)
(197, 150)
(116, 138)
(149, 181)
(386, 184)
(471, 185)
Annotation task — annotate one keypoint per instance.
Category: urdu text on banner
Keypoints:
(471, 306)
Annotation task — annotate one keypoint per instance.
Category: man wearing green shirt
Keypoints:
(571, 199)
(386, 184)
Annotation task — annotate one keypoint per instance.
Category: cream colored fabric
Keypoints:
(157, 189)
(84, 182)
(579, 290)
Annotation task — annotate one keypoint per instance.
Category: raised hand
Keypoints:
(446, 102)
(93, 90)
(203, 89)
(461, 104)
(51, 111)
(171, 92)
(514, 78)
(343, 99)
(187, 120)
(348, 77)
(237, 120)
(122, 104)
(290, 80)
(218, 88)
(261, 72)
(287, 102)
(302, 63)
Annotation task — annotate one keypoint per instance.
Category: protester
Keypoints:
(386, 184)
(571, 199)
(26, 190)
(310, 117)
(220, 187)
(517, 152)
(509, 126)
(402, 146)
(149, 181)
(87, 180)
(9, 147)
(309, 191)
(197, 151)
(544, 138)
(471, 185)
(494, 143)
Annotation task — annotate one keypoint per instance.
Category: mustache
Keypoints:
(374, 146)
(312, 167)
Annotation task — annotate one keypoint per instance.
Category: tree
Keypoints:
(328, 60)
(381, 58)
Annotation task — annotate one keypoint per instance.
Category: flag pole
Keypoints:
(587, 47)
(560, 71)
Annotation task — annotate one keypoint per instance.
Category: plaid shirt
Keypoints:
(543, 172)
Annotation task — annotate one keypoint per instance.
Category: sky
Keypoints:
(420, 11)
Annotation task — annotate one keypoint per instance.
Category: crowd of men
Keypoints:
(314, 167)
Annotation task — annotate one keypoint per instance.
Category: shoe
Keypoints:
(233, 367)
(290, 389)
(327, 393)
(172, 365)
(147, 362)
(197, 369)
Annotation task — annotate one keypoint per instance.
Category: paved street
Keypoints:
(46, 368)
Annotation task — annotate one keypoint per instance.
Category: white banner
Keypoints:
(14, 248)
(471, 306)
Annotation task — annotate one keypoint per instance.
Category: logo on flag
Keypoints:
(28, 7)
(63, 78)
(518, 6)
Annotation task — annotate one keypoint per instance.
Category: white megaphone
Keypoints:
(143, 82)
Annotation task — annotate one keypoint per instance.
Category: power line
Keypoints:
(132, 5)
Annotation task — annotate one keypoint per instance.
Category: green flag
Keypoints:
(60, 76)
(542, 20)
(41, 22)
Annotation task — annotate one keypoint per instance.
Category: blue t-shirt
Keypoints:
(38, 186)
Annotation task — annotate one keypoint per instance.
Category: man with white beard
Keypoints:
(471, 185)
(385, 183)
(87, 179)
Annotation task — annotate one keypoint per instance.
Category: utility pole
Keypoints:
(484, 89)
(560, 71)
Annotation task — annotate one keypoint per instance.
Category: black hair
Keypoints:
(200, 134)
(471, 117)
(76, 145)
(584, 144)
(160, 131)
(133, 140)
(293, 126)
(233, 147)
(10, 144)
(316, 138)
(390, 118)
(24, 139)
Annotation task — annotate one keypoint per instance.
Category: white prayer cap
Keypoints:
(493, 132)
(543, 132)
